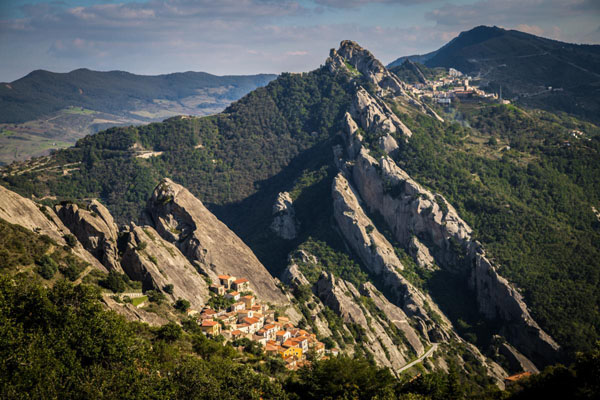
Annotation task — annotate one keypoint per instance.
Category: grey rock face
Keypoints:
(293, 277)
(181, 218)
(378, 254)
(343, 298)
(156, 263)
(41, 219)
(284, 217)
(374, 115)
(95, 229)
(421, 254)
(411, 210)
(366, 64)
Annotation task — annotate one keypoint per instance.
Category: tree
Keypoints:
(182, 305)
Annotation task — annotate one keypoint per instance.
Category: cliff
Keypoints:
(182, 219)
(95, 228)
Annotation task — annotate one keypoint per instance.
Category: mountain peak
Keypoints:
(351, 55)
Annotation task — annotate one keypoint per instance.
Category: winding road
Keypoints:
(428, 353)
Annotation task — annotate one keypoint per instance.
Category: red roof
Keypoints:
(224, 277)
(250, 320)
(516, 377)
(209, 323)
(241, 280)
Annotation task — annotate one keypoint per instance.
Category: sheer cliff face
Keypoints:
(182, 219)
(95, 228)
(419, 220)
(40, 219)
(150, 259)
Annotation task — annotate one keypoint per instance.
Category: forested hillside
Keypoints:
(532, 206)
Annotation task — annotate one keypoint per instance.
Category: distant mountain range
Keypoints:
(46, 110)
(526, 66)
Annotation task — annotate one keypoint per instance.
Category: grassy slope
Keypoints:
(42, 92)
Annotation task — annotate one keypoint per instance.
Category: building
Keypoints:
(248, 301)
(282, 336)
(233, 295)
(212, 328)
(241, 285)
(226, 280)
(239, 306)
(218, 289)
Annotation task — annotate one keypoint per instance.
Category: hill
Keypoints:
(359, 192)
(46, 110)
(532, 70)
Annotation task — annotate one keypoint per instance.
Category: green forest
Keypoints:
(518, 177)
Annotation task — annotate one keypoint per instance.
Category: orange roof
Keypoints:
(250, 320)
(516, 377)
(241, 280)
(289, 343)
(247, 297)
(281, 333)
(271, 347)
(233, 293)
(236, 332)
(270, 326)
(209, 323)
(224, 277)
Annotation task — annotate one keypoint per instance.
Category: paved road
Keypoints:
(428, 353)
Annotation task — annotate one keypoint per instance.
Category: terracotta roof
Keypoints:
(270, 326)
(209, 323)
(281, 333)
(224, 277)
(236, 332)
(250, 320)
(247, 297)
(289, 343)
(241, 280)
(516, 377)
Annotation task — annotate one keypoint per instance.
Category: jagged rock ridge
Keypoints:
(181, 218)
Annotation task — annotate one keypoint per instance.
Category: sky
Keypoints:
(226, 37)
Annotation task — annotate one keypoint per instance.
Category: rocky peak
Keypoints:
(182, 219)
(361, 59)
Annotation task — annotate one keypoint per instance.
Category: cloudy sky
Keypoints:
(252, 36)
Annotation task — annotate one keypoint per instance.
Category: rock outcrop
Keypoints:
(95, 228)
(150, 259)
(421, 254)
(395, 315)
(364, 62)
(210, 245)
(378, 254)
(40, 219)
(284, 217)
(343, 298)
(410, 210)
(375, 116)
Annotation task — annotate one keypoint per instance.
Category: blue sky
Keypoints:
(253, 36)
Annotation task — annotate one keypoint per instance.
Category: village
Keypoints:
(456, 85)
(242, 316)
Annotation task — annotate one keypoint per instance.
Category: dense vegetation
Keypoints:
(531, 205)
(61, 343)
(221, 159)
(42, 92)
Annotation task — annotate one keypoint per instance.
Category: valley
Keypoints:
(336, 219)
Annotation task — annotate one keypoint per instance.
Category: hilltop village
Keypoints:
(239, 315)
(445, 89)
